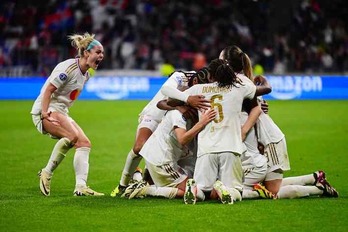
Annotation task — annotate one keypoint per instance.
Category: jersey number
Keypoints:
(215, 104)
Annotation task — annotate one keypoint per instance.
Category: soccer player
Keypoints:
(255, 171)
(166, 146)
(218, 171)
(50, 113)
(151, 116)
(271, 138)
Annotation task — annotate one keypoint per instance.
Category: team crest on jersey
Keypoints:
(63, 76)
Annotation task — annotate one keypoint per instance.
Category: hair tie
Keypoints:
(92, 44)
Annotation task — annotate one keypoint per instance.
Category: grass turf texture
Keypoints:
(316, 133)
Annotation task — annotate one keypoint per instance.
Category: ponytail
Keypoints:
(83, 42)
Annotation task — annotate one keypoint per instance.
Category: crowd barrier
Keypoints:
(145, 87)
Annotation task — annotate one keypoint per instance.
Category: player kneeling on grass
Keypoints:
(51, 108)
(255, 167)
(166, 146)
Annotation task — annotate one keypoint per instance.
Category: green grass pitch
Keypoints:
(317, 137)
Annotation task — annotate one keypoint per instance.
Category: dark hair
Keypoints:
(222, 72)
(202, 76)
(238, 60)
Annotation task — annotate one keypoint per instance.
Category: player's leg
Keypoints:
(169, 181)
(273, 181)
(231, 174)
(253, 176)
(278, 162)
(205, 175)
(67, 137)
(81, 164)
(297, 191)
(310, 179)
(133, 158)
(144, 131)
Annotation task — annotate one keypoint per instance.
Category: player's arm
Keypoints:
(254, 112)
(184, 137)
(164, 106)
(175, 102)
(264, 106)
(262, 85)
(46, 98)
(170, 89)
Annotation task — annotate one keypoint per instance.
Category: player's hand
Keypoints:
(47, 116)
(198, 102)
(260, 80)
(264, 106)
(53, 121)
(208, 116)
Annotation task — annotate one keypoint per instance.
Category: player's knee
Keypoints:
(137, 147)
(73, 138)
(85, 142)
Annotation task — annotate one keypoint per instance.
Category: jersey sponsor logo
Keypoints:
(291, 87)
(74, 94)
(63, 76)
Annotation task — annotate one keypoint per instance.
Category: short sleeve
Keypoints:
(58, 77)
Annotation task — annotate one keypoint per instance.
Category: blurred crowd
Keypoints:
(310, 37)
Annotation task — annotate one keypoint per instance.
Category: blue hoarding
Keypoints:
(144, 88)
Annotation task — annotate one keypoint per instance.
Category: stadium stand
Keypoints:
(306, 36)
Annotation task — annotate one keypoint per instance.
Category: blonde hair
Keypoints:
(81, 42)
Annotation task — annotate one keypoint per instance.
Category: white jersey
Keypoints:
(170, 88)
(163, 147)
(252, 157)
(223, 134)
(69, 80)
(267, 131)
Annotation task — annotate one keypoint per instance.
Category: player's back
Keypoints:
(224, 132)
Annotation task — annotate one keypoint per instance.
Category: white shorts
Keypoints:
(169, 175)
(148, 122)
(274, 176)
(277, 156)
(254, 175)
(38, 124)
(224, 166)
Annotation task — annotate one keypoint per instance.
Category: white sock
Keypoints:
(137, 176)
(235, 194)
(132, 162)
(200, 195)
(81, 165)
(299, 180)
(58, 154)
(167, 192)
(250, 194)
(297, 191)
